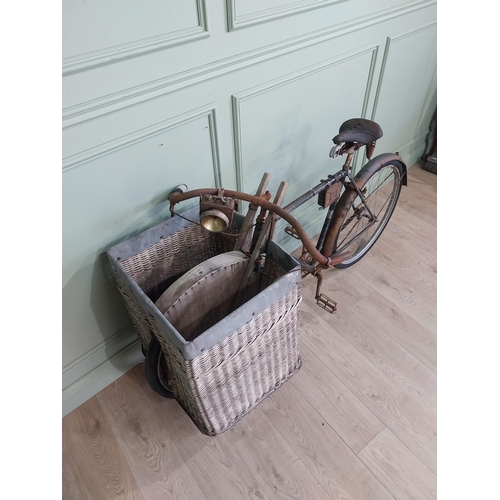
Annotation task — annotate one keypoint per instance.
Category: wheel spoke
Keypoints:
(350, 242)
(359, 231)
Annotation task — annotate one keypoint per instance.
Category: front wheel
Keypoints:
(356, 224)
(157, 370)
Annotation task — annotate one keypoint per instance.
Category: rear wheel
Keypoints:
(356, 223)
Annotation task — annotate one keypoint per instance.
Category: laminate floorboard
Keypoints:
(385, 353)
(329, 459)
(396, 467)
(277, 467)
(425, 205)
(143, 439)
(91, 451)
(401, 327)
(357, 422)
(391, 404)
(403, 240)
(213, 463)
(407, 297)
(406, 266)
(409, 220)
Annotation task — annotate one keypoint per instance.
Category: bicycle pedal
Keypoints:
(326, 303)
(291, 232)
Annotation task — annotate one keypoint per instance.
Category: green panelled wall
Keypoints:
(208, 93)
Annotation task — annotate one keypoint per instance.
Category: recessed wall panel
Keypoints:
(286, 127)
(114, 195)
(406, 98)
(98, 32)
(247, 12)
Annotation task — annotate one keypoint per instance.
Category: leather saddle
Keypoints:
(358, 130)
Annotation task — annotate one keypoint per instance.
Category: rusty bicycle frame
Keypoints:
(314, 258)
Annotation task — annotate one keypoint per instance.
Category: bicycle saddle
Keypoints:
(358, 130)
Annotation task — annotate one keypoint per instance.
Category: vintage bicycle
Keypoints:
(358, 208)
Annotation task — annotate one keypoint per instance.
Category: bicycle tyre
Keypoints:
(381, 185)
(156, 369)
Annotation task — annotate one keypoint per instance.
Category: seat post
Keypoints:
(348, 160)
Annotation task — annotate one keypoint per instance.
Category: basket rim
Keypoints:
(148, 237)
(233, 321)
(122, 251)
(242, 315)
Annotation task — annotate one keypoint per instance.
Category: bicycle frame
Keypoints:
(313, 259)
(285, 212)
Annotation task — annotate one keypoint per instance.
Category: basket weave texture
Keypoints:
(159, 265)
(222, 384)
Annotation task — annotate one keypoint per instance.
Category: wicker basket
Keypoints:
(227, 370)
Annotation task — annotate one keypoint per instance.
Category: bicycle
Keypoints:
(359, 209)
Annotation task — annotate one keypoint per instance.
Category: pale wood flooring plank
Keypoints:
(214, 465)
(272, 461)
(401, 327)
(382, 351)
(91, 451)
(410, 221)
(394, 407)
(420, 196)
(332, 462)
(338, 406)
(424, 206)
(422, 278)
(146, 442)
(426, 193)
(404, 475)
(398, 291)
(423, 178)
(403, 240)
(424, 181)
(414, 235)
(71, 484)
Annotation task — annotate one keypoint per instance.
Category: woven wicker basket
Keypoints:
(230, 368)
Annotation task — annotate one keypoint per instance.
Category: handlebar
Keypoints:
(325, 261)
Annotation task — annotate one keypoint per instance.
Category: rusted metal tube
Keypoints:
(271, 207)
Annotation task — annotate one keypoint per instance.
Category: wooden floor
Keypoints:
(357, 422)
